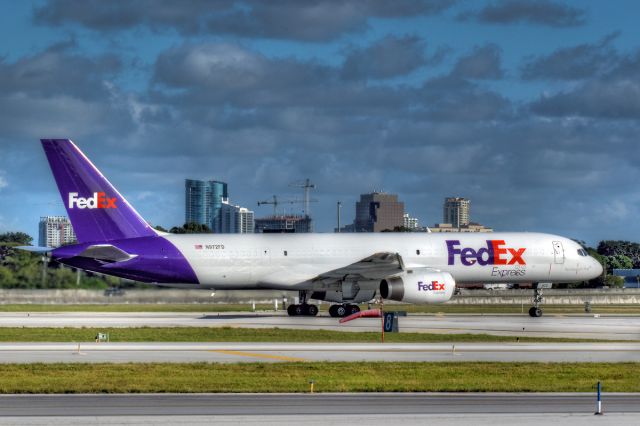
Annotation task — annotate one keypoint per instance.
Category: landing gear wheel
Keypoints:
(535, 312)
(337, 311)
(312, 310)
(291, 310)
(352, 309)
(300, 309)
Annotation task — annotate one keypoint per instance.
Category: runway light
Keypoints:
(311, 383)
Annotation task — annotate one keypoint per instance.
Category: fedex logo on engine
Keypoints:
(495, 253)
(434, 286)
(98, 201)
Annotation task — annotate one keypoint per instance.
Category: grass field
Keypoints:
(227, 334)
(328, 377)
(220, 307)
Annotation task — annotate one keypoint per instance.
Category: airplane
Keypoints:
(342, 268)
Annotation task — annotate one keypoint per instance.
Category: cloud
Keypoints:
(574, 63)
(3, 180)
(482, 63)
(538, 12)
(57, 70)
(284, 19)
(613, 95)
(388, 57)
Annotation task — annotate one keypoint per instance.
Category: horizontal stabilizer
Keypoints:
(35, 249)
(106, 253)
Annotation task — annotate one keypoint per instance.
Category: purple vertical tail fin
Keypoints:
(96, 209)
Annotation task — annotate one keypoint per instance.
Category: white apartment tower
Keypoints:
(55, 231)
(456, 211)
(410, 222)
(236, 219)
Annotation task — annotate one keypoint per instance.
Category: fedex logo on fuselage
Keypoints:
(98, 201)
(495, 253)
(433, 286)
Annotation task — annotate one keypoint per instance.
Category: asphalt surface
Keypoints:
(578, 326)
(317, 409)
(283, 352)
(311, 404)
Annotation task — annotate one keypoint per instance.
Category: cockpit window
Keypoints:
(583, 252)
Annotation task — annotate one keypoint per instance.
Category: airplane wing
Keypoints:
(375, 267)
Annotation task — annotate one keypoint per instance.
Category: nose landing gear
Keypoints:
(536, 311)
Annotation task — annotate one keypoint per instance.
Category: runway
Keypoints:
(320, 409)
(608, 327)
(303, 352)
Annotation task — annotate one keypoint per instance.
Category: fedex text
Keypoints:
(433, 286)
(98, 201)
(495, 253)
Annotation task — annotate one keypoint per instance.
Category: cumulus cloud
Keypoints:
(57, 70)
(58, 92)
(613, 95)
(539, 12)
(286, 19)
(575, 62)
(482, 63)
(388, 57)
(257, 116)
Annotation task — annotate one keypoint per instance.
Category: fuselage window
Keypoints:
(418, 252)
(285, 252)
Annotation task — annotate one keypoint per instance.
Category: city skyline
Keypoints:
(529, 112)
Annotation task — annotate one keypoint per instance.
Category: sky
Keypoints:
(528, 108)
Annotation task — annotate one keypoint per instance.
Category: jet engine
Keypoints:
(417, 286)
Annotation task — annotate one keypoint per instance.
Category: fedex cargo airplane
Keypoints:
(345, 269)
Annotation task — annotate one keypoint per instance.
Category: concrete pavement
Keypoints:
(283, 352)
(579, 326)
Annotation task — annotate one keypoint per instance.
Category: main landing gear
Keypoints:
(343, 310)
(302, 308)
(536, 311)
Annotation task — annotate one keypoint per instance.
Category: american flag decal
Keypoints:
(198, 246)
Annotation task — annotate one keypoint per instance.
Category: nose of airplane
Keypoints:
(597, 267)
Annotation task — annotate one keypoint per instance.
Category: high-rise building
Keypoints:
(456, 211)
(203, 202)
(55, 231)
(236, 219)
(283, 224)
(378, 212)
(410, 222)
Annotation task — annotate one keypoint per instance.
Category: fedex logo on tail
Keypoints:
(98, 201)
(495, 253)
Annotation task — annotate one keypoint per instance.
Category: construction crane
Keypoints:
(275, 201)
(307, 186)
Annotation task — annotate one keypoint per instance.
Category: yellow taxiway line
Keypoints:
(256, 355)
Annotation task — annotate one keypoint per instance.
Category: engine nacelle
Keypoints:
(419, 287)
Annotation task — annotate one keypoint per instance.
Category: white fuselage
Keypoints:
(291, 261)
